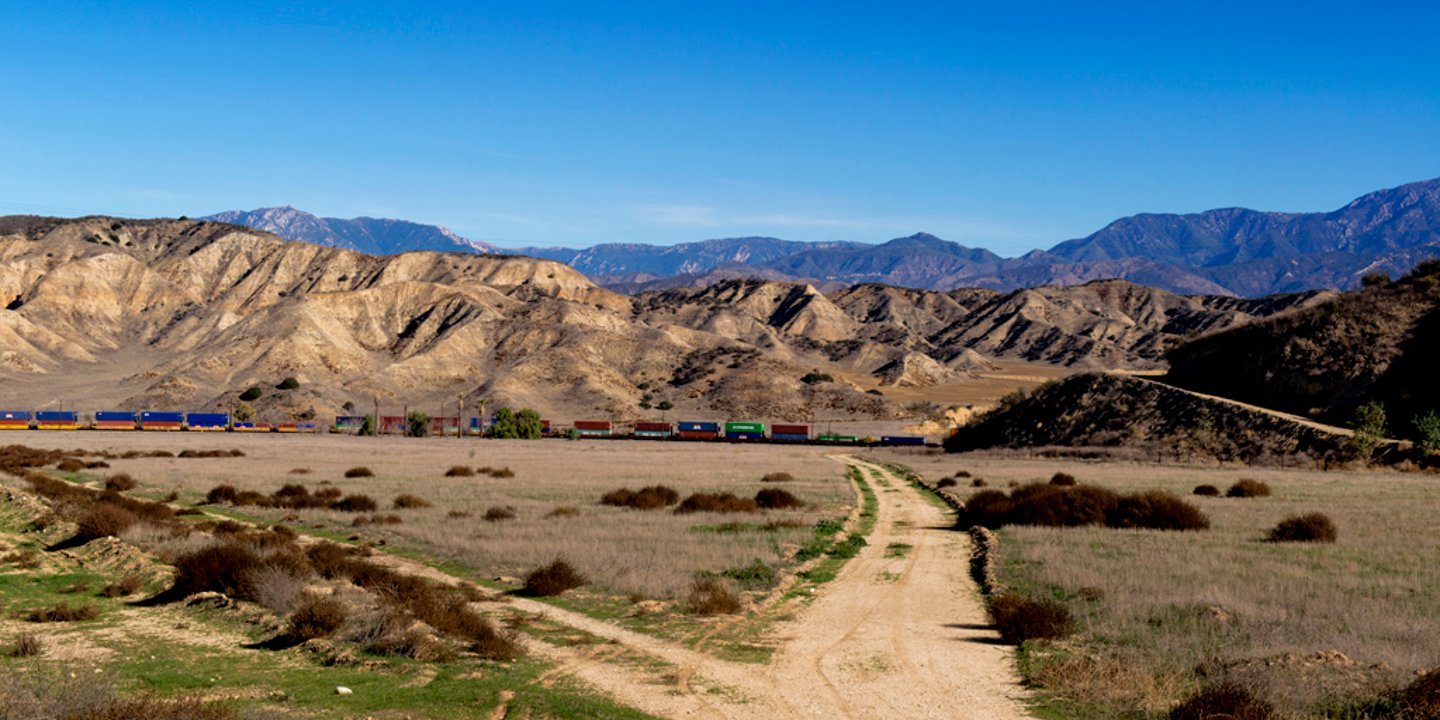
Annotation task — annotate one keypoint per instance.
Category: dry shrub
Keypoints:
(1246, 488)
(979, 483)
(124, 587)
(711, 596)
(104, 520)
(496, 514)
(407, 501)
(1311, 527)
(207, 454)
(222, 493)
(359, 472)
(716, 503)
(647, 498)
(62, 612)
(331, 560)
(227, 568)
(946, 482)
(251, 498)
(97, 465)
(1207, 491)
(460, 471)
(120, 482)
(1062, 479)
(70, 465)
(1060, 506)
(317, 617)
(415, 644)
(1421, 698)
(553, 579)
(277, 589)
(459, 515)
(355, 503)
(1156, 510)
(777, 499)
(504, 472)
(300, 471)
(564, 511)
(77, 587)
(26, 645)
(962, 474)
(783, 523)
(1020, 618)
(778, 477)
(1226, 700)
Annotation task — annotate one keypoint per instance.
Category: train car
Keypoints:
(308, 427)
(352, 424)
(392, 425)
(207, 422)
(744, 431)
(252, 427)
(790, 433)
(115, 420)
(291, 427)
(545, 428)
(14, 420)
(595, 428)
(695, 430)
(162, 421)
(57, 420)
(898, 440)
(445, 425)
(833, 439)
(654, 430)
(474, 427)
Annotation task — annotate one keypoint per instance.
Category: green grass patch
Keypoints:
(898, 550)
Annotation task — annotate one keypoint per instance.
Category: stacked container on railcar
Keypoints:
(445, 425)
(392, 425)
(162, 421)
(348, 424)
(744, 431)
(252, 427)
(833, 439)
(115, 420)
(290, 427)
(207, 422)
(901, 440)
(595, 428)
(57, 420)
(696, 430)
(790, 433)
(654, 430)
(14, 420)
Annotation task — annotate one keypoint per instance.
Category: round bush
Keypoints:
(1020, 618)
(777, 499)
(1062, 479)
(1156, 510)
(1207, 491)
(1312, 527)
(318, 617)
(1225, 700)
(553, 579)
(1246, 488)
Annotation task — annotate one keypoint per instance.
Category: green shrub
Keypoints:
(251, 393)
(288, 383)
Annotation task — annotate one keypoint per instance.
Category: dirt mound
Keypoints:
(916, 370)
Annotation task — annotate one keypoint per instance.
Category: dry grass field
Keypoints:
(1318, 629)
(651, 554)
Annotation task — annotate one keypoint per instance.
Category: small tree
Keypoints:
(251, 393)
(417, 424)
(244, 413)
(506, 426)
(367, 428)
(528, 425)
(348, 407)
(665, 405)
(815, 376)
(1428, 428)
(1375, 279)
(289, 383)
(1369, 426)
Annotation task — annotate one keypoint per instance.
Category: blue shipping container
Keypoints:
(901, 440)
(14, 415)
(790, 437)
(744, 436)
(686, 426)
(57, 416)
(207, 419)
(114, 416)
(167, 417)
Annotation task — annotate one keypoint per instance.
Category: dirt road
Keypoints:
(1297, 419)
(900, 633)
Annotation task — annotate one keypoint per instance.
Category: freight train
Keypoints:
(686, 430)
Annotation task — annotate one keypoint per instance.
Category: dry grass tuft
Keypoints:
(1246, 488)
(317, 617)
(653, 497)
(26, 645)
(406, 501)
(1421, 698)
(359, 472)
(222, 493)
(377, 519)
(496, 514)
(300, 471)
(564, 511)
(1225, 700)
(1020, 618)
(355, 503)
(1311, 527)
(62, 612)
(503, 472)
(553, 579)
(711, 596)
(120, 482)
(460, 471)
(778, 477)
(124, 587)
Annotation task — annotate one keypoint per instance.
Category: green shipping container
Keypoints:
(744, 427)
(837, 438)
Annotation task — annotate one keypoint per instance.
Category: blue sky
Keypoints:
(1004, 125)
